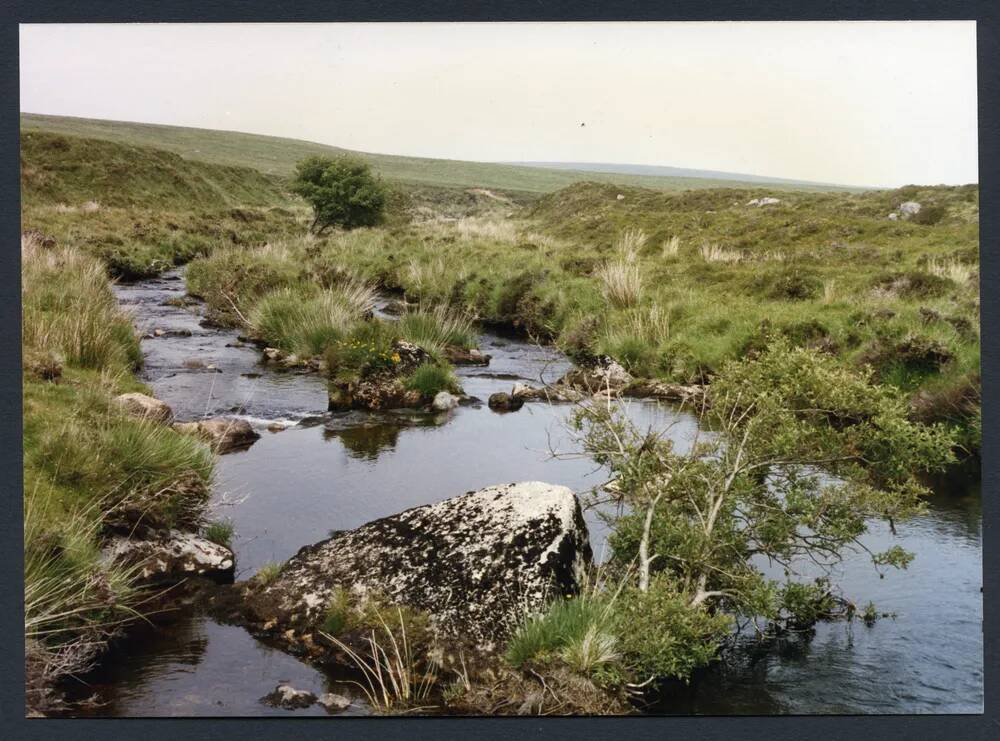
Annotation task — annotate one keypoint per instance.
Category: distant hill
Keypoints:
(663, 171)
(277, 156)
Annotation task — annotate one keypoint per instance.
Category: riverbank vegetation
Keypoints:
(90, 470)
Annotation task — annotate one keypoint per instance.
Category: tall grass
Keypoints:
(715, 253)
(671, 247)
(578, 631)
(68, 309)
(630, 243)
(621, 282)
(437, 328)
(306, 321)
(953, 270)
(396, 677)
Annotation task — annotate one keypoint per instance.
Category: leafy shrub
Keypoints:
(805, 604)
(342, 191)
(663, 635)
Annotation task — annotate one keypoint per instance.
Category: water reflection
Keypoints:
(193, 666)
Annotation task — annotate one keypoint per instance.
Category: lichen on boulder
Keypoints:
(476, 564)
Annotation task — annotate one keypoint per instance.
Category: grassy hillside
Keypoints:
(142, 210)
(277, 156)
(69, 169)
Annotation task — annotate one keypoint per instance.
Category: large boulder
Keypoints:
(223, 434)
(145, 407)
(476, 563)
(172, 556)
(909, 209)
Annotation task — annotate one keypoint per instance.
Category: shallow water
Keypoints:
(336, 472)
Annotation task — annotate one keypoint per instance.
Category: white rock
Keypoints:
(444, 402)
(893, 216)
(620, 197)
(333, 702)
(172, 556)
(909, 208)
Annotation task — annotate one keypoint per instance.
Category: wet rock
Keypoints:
(277, 427)
(286, 696)
(172, 556)
(170, 333)
(605, 373)
(289, 360)
(145, 407)
(463, 356)
(475, 563)
(444, 402)
(333, 702)
(224, 435)
(504, 402)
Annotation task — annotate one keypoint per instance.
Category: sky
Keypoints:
(859, 103)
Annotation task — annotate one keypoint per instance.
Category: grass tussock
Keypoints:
(430, 379)
(621, 281)
(305, 321)
(671, 247)
(68, 309)
(398, 678)
(955, 271)
(436, 328)
(715, 253)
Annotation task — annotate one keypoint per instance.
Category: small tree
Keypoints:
(799, 453)
(342, 191)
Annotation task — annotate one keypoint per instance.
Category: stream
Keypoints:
(335, 472)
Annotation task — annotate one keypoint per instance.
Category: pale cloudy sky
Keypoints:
(865, 103)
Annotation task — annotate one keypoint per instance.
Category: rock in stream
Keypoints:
(476, 563)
